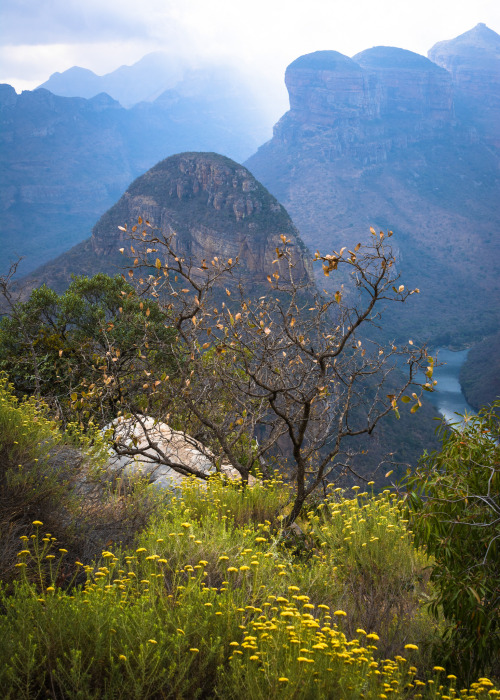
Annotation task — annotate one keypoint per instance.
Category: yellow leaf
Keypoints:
(158, 263)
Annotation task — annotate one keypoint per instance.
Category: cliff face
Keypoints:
(382, 99)
(209, 204)
(409, 85)
(63, 161)
(473, 61)
(314, 79)
(377, 141)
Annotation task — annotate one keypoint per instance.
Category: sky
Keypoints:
(40, 37)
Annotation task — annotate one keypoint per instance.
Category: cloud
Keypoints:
(44, 36)
(38, 22)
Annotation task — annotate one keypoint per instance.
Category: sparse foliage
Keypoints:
(278, 373)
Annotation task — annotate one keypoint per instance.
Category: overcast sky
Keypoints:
(39, 37)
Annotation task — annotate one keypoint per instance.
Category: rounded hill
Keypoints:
(390, 57)
(324, 60)
(210, 206)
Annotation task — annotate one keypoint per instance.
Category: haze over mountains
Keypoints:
(376, 140)
(388, 138)
(65, 160)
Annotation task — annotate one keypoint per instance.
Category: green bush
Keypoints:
(455, 509)
(64, 347)
(211, 604)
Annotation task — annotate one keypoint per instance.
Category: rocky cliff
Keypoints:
(383, 99)
(376, 141)
(211, 205)
(473, 61)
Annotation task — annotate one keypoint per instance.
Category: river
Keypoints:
(448, 397)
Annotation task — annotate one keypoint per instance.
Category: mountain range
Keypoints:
(388, 138)
(64, 160)
(377, 140)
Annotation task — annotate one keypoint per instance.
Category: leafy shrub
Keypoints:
(209, 603)
(455, 501)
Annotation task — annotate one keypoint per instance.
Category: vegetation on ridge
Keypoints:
(205, 591)
(214, 601)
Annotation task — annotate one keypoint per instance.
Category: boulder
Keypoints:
(155, 441)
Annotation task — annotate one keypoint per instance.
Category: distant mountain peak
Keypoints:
(480, 40)
(323, 60)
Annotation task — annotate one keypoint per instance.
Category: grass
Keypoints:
(211, 599)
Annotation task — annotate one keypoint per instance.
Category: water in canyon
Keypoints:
(448, 397)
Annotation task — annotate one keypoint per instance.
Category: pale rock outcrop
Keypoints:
(144, 433)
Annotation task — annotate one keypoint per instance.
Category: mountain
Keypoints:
(376, 140)
(214, 89)
(144, 80)
(212, 204)
(480, 373)
(65, 160)
(473, 61)
(216, 207)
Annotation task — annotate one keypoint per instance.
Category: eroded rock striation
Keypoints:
(210, 206)
(473, 61)
(381, 139)
(382, 98)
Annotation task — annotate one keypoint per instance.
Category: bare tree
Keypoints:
(287, 374)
